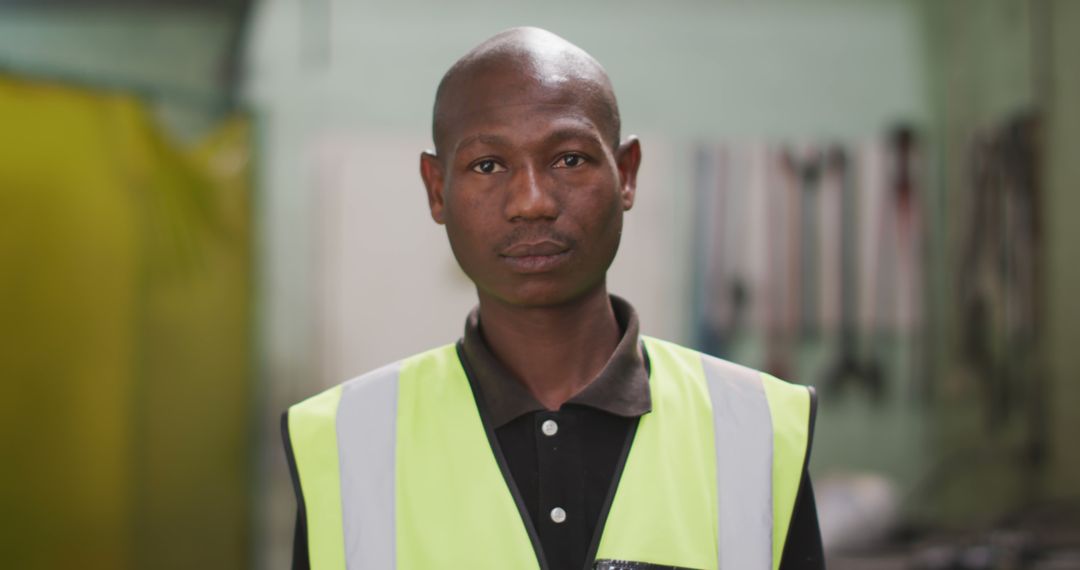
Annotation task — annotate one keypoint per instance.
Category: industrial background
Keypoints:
(211, 210)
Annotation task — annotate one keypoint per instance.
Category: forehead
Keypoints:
(510, 97)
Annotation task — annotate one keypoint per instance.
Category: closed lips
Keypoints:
(534, 249)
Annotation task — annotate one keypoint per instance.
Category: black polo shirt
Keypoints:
(563, 466)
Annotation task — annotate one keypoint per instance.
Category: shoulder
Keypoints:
(380, 378)
(725, 375)
(667, 353)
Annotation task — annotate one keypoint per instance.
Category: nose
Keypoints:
(530, 197)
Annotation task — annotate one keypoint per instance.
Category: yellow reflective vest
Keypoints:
(395, 470)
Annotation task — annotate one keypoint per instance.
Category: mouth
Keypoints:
(535, 257)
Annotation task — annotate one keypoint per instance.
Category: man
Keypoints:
(551, 435)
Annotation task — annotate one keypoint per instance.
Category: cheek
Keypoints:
(600, 210)
(458, 208)
(613, 221)
(462, 234)
(472, 204)
(469, 231)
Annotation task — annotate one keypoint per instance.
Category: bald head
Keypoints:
(521, 59)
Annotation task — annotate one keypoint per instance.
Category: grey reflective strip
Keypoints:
(744, 446)
(366, 433)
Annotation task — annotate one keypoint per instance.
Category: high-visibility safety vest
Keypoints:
(396, 470)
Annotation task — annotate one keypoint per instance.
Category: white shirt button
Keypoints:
(558, 515)
(550, 428)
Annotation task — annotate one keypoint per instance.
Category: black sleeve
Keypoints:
(300, 546)
(803, 550)
(299, 552)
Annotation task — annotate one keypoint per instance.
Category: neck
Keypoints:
(555, 351)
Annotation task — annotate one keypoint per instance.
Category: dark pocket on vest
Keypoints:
(631, 565)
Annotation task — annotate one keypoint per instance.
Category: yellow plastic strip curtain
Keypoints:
(125, 343)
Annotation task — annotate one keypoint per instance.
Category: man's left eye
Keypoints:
(569, 161)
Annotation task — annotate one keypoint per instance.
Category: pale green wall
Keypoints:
(708, 69)
(1063, 234)
(980, 77)
(991, 59)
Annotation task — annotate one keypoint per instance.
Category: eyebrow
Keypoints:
(559, 135)
(566, 134)
(492, 140)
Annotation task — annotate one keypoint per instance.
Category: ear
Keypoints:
(431, 170)
(627, 160)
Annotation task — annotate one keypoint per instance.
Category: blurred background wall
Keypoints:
(126, 210)
(257, 231)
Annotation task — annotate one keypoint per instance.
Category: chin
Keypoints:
(542, 293)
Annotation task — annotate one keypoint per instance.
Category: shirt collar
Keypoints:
(621, 388)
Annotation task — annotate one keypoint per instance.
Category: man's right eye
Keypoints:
(488, 167)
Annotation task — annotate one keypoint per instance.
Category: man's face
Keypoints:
(529, 187)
